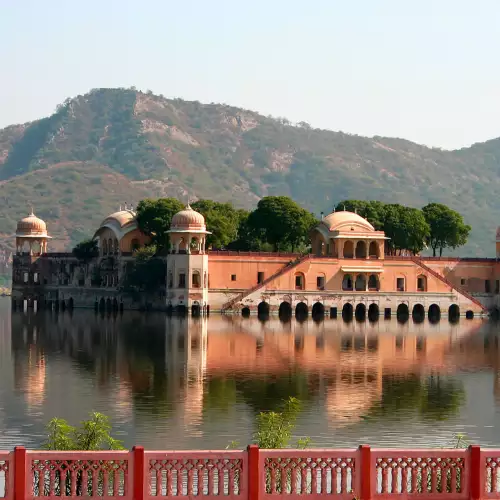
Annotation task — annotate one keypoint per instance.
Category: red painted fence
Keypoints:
(254, 474)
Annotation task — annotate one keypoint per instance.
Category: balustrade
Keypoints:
(252, 474)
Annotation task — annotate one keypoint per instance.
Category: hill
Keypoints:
(112, 146)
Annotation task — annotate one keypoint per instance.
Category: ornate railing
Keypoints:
(253, 474)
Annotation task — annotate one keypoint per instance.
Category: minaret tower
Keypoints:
(187, 263)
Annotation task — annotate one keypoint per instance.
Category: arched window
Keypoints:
(360, 283)
(299, 281)
(116, 245)
(373, 250)
(196, 279)
(348, 252)
(373, 282)
(360, 250)
(422, 283)
(110, 246)
(347, 282)
(104, 247)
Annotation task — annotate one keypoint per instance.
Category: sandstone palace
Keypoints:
(346, 273)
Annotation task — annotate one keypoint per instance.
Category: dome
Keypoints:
(188, 220)
(31, 226)
(338, 220)
(122, 217)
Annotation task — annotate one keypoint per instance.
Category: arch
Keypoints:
(347, 282)
(301, 310)
(421, 283)
(348, 250)
(71, 303)
(403, 311)
(116, 246)
(245, 312)
(108, 304)
(453, 313)
(285, 310)
(195, 309)
(360, 283)
(373, 250)
(469, 314)
(418, 313)
(347, 312)
(300, 281)
(373, 312)
(182, 245)
(360, 312)
(104, 247)
(263, 309)
(361, 250)
(434, 313)
(318, 310)
(196, 279)
(110, 246)
(373, 282)
(115, 304)
(134, 245)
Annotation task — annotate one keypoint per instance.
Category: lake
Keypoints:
(178, 383)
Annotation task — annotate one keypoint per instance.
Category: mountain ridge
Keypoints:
(111, 144)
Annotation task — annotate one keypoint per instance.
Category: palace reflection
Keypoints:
(193, 378)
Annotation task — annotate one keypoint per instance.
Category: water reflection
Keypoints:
(193, 383)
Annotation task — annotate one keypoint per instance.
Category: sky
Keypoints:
(423, 70)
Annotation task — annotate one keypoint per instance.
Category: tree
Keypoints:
(447, 227)
(86, 250)
(93, 434)
(147, 273)
(222, 220)
(154, 218)
(372, 211)
(281, 221)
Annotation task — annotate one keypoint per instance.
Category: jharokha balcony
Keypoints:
(253, 474)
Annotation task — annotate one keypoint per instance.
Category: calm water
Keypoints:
(186, 383)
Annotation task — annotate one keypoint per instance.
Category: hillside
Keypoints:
(113, 146)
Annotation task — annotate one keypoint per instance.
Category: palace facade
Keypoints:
(347, 272)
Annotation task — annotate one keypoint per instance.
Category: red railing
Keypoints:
(253, 474)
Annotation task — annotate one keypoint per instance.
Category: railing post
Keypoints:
(365, 473)
(253, 472)
(20, 469)
(476, 483)
(140, 473)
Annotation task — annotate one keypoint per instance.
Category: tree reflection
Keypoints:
(434, 397)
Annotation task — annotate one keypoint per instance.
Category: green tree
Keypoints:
(282, 222)
(222, 220)
(86, 250)
(146, 273)
(447, 227)
(154, 218)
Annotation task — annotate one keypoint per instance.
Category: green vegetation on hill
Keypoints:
(112, 146)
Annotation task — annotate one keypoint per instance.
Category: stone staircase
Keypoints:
(287, 267)
(440, 277)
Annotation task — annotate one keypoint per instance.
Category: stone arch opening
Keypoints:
(421, 283)
(434, 313)
(361, 250)
(115, 304)
(418, 313)
(71, 303)
(195, 309)
(104, 247)
(102, 304)
(453, 313)
(196, 279)
(347, 312)
(360, 312)
(263, 309)
(245, 312)
(285, 310)
(300, 282)
(318, 310)
(348, 250)
(183, 245)
(360, 283)
(116, 245)
(373, 283)
(347, 282)
(403, 312)
(301, 310)
(373, 312)
(108, 304)
(373, 250)
(469, 314)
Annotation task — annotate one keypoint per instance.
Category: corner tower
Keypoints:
(187, 263)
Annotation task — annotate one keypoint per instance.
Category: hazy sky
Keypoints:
(424, 70)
